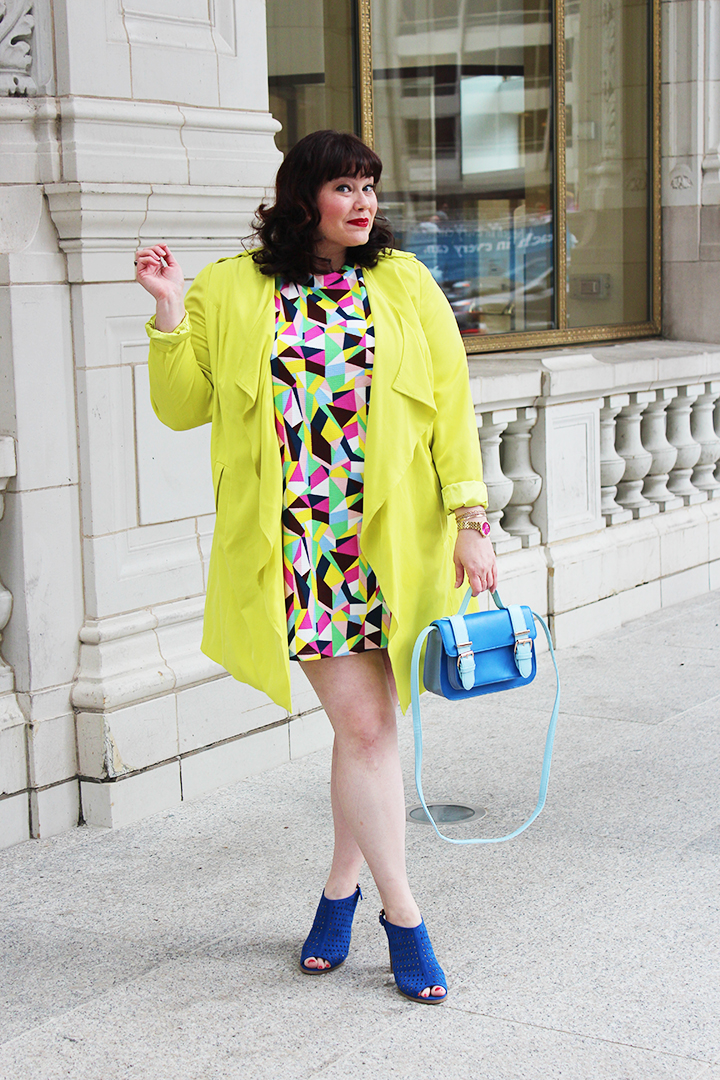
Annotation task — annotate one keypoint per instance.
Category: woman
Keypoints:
(332, 542)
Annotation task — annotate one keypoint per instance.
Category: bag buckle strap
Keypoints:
(523, 641)
(466, 668)
(466, 656)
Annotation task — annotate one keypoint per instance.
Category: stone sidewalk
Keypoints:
(588, 948)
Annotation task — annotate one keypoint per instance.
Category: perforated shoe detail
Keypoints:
(413, 961)
(329, 938)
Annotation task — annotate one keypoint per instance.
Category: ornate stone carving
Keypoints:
(681, 178)
(16, 33)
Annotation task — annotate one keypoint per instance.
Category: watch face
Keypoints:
(485, 528)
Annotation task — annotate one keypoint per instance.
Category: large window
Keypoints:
(519, 146)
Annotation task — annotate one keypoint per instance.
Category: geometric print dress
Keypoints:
(321, 366)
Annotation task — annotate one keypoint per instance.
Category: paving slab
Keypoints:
(585, 949)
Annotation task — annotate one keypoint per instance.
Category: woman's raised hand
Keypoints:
(160, 273)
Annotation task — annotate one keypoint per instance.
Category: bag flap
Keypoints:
(486, 630)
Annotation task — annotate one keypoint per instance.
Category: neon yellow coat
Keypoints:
(422, 457)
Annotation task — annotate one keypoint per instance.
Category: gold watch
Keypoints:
(479, 526)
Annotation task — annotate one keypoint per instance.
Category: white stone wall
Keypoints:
(153, 124)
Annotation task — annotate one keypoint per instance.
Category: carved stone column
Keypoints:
(500, 487)
(527, 484)
(7, 470)
(652, 431)
(612, 466)
(703, 431)
(637, 459)
(14, 806)
(688, 451)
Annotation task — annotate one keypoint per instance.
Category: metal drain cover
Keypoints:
(446, 813)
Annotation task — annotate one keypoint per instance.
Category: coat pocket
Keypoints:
(217, 474)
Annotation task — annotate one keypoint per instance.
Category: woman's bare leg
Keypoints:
(358, 695)
(347, 856)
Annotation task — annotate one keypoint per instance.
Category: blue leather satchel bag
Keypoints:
(480, 653)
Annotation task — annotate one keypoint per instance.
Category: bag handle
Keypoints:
(417, 731)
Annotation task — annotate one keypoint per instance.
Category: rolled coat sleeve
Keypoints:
(455, 443)
(181, 382)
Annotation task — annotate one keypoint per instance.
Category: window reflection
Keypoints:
(607, 153)
(462, 122)
(311, 66)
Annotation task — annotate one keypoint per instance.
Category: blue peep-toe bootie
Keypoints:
(329, 938)
(412, 961)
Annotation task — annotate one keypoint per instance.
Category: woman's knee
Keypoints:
(366, 732)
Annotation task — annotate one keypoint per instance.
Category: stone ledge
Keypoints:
(541, 375)
(100, 225)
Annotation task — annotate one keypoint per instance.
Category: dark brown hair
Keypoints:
(287, 229)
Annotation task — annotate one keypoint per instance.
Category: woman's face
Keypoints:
(347, 208)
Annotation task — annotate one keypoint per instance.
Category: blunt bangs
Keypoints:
(347, 156)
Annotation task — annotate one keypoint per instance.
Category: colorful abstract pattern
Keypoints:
(321, 369)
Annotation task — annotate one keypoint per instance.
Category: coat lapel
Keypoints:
(250, 298)
(256, 311)
(402, 405)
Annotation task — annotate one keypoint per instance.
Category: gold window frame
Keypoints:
(563, 335)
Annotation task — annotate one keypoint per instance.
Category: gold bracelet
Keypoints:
(473, 515)
(475, 523)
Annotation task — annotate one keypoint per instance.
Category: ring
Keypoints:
(136, 262)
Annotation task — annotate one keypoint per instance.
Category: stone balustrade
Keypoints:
(603, 477)
(659, 457)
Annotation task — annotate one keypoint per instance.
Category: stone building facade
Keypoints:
(126, 121)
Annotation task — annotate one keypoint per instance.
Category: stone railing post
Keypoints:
(688, 451)
(491, 425)
(565, 452)
(701, 427)
(637, 459)
(664, 454)
(527, 484)
(612, 466)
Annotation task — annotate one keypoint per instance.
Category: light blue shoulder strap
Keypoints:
(519, 629)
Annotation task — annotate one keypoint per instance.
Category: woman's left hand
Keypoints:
(474, 555)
